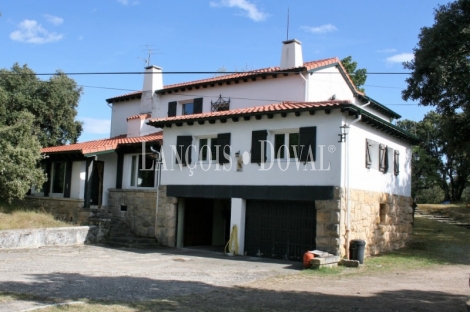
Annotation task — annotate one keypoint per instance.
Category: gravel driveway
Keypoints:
(101, 273)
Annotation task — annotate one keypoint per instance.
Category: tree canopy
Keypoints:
(358, 76)
(53, 103)
(440, 71)
(444, 160)
(19, 158)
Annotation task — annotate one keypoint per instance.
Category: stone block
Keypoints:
(323, 216)
(335, 217)
(350, 263)
(323, 261)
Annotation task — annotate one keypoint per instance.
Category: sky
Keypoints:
(205, 35)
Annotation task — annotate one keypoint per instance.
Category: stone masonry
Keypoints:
(382, 220)
(66, 209)
(137, 209)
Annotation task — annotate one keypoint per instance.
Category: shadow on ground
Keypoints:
(144, 294)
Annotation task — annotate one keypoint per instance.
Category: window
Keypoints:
(139, 177)
(188, 108)
(207, 149)
(286, 142)
(58, 177)
(396, 162)
(192, 107)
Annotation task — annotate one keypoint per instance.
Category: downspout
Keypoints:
(158, 186)
(306, 86)
(346, 170)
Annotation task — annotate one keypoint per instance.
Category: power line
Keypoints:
(191, 73)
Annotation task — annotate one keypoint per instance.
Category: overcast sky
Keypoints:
(205, 35)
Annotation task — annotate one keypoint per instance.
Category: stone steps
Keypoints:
(120, 235)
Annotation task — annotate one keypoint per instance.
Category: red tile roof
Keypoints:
(141, 117)
(103, 145)
(307, 66)
(274, 108)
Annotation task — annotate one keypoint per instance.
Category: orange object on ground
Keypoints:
(307, 257)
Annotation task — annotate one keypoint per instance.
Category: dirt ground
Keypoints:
(181, 280)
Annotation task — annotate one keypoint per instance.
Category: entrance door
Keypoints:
(198, 222)
(279, 229)
(97, 183)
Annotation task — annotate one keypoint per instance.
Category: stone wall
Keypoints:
(137, 209)
(382, 220)
(66, 209)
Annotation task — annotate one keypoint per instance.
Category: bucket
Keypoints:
(307, 257)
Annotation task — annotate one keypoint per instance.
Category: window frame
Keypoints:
(53, 176)
(287, 139)
(211, 155)
(133, 172)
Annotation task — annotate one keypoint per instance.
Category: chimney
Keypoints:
(153, 80)
(291, 54)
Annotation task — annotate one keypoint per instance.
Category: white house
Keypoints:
(258, 150)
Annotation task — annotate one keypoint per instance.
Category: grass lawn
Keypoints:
(14, 216)
(459, 212)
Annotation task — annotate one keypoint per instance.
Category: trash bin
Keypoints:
(356, 250)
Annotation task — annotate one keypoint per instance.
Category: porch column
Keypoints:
(119, 170)
(88, 181)
(237, 217)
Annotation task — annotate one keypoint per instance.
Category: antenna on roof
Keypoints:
(288, 13)
(150, 52)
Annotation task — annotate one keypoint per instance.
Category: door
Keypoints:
(97, 183)
(280, 229)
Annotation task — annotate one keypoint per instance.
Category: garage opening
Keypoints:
(280, 229)
(205, 224)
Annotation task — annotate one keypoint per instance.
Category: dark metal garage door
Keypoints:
(279, 229)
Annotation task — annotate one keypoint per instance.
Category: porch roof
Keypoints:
(100, 146)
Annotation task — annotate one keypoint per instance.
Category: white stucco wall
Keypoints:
(109, 175)
(244, 94)
(120, 112)
(252, 174)
(372, 179)
(77, 186)
(325, 83)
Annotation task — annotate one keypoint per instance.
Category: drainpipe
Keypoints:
(346, 170)
(306, 86)
(158, 186)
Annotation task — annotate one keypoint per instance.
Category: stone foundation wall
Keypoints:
(139, 212)
(382, 220)
(66, 209)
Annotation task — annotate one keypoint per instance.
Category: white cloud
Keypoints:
(323, 29)
(96, 126)
(250, 9)
(31, 31)
(55, 20)
(127, 2)
(80, 38)
(400, 58)
(387, 51)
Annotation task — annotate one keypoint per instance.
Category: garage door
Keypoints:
(279, 229)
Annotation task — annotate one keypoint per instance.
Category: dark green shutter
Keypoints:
(307, 141)
(396, 162)
(197, 106)
(172, 109)
(223, 140)
(183, 143)
(119, 170)
(47, 184)
(68, 179)
(383, 158)
(256, 138)
(368, 156)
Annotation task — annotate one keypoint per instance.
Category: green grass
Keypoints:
(15, 216)
(433, 243)
(459, 212)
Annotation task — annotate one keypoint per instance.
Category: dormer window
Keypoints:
(188, 108)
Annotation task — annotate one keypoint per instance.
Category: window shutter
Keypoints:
(389, 159)
(223, 139)
(68, 179)
(368, 156)
(396, 162)
(172, 109)
(197, 106)
(182, 145)
(382, 158)
(47, 184)
(256, 138)
(307, 142)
